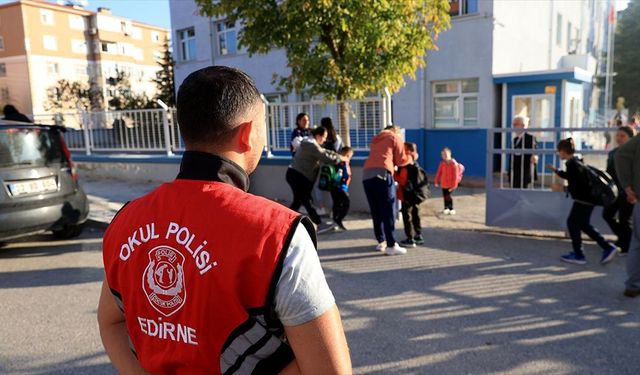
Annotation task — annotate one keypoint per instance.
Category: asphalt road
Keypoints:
(466, 303)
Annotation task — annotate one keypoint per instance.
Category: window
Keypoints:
(3, 70)
(136, 33)
(559, 29)
(1, 43)
(455, 103)
(461, 7)
(227, 38)
(108, 47)
(81, 69)
(52, 68)
(155, 37)
(569, 30)
(79, 46)
(46, 16)
(4, 94)
(76, 22)
(539, 109)
(187, 44)
(50, 42)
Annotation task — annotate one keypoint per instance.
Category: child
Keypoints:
(408, 175)
(340, 192)
(580, 215)
(447, 177)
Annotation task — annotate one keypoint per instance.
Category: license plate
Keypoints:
(43, 185)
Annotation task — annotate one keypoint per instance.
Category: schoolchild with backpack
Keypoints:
(448, 177)
(340, 189)
(581, 186)
(413, 189)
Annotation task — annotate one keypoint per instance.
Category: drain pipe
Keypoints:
(389, 119)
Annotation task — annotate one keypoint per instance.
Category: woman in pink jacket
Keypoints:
(386, 153)
(448, 177)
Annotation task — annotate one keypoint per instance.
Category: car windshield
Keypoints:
(36, 147)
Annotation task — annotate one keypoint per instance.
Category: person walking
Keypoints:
(340, 192)
(11, 113)
(580, 215)
(202, 277)
(522, 165)
(301, 131)
(627, 162)
(408, 176)
(302, 173)
(620, 226)
(385, 154)
(334, 141)
(448, 177)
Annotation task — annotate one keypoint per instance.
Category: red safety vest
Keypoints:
(194, 265)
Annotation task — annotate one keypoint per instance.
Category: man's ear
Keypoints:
(244, 136)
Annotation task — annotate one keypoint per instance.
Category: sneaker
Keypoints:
(395, 250)
(341, 226)
(452, 212)
(574, 258)
(408, 243)
(631, 293)
(418, 240)
(446, 211)
(382, 246)
(609, 254)
(325, 227)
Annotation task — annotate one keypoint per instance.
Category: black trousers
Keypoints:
(579, 221)
(301, 188)
(621, 225)
(448, 200)
(341, 203)
(411, 220)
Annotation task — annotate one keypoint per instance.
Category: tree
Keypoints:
(627, 57)
(123, 97)
(68, 95)
(340, 49)
(164, 77)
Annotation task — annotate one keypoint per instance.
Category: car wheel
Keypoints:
(68, 231)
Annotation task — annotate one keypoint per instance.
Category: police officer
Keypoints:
(203, 277)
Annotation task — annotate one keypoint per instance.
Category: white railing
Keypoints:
(593, 144)
(157, 131)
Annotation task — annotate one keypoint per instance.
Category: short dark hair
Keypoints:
(411, 146)
(567, 145)
(346, 150)
(210, 100)
(627, 129)
(319, 131)
(299, 117)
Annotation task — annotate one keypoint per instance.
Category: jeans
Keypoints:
(633, 261)
(341, 203)
(578, 222)
(381, 195)
(621, 226)
(448, 200)
(302, 187)
(411, 220)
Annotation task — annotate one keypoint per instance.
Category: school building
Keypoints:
(500, 58)
(43, 42)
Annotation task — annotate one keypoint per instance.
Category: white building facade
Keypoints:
(536, 58)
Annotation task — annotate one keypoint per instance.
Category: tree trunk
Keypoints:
(343, 109)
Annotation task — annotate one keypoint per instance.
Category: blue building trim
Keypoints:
(572, 76)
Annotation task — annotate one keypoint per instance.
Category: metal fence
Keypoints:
(521, 191)
(157, 131)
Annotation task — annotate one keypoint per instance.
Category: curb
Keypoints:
(96, 224)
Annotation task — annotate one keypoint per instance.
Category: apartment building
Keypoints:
(43, 42)
(500, 58)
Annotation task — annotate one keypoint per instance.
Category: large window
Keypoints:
(461, 7)
(46, 16)
(76, 22)
(3, 69)
(455, 103)
(53, 68)
(187, 44)
(1, 43)
(79, 46)
(227, 38)
(50, 42)
(108, 47)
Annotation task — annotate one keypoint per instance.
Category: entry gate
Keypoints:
(541, 204)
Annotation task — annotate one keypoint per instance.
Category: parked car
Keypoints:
(39, 184)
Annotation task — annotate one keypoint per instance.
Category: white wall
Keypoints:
(17, 82)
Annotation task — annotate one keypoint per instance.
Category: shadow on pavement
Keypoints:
(43, 245)
(50, 277)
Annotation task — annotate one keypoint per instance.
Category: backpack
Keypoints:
(417, 189)
(602, 188)
(329, 177)
(460, 171)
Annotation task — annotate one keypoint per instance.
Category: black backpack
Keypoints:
(602, 188)
(417, 189)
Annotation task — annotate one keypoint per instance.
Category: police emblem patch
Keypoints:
(163, 280)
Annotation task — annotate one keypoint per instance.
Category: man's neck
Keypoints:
(229, 155)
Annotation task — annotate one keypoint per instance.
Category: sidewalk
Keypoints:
(107, 196)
